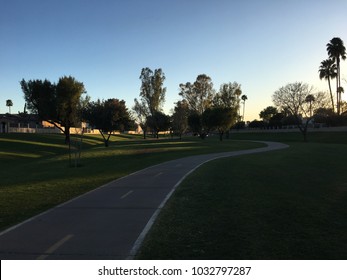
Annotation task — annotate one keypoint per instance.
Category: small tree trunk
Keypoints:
(337, 85)
(304, 129)
(221, 135)
(331, 95)
(67, 135)
(106, 140)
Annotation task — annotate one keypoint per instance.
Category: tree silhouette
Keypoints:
(9, 104)
(337, 51)
(299, 100)
(108, 116)
(310, 99)
(327, 71)
(244, 98)
(152, 98)
(58, 104)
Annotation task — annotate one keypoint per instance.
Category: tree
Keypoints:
(324, 115)
(57, 104)
(68, 97)
(180, 118)
(276, 121)
(256, 124)
(244, 98)
(310, 99)
(198, 95)
(327, 71)
(337, 51)
(158, 122)
(9, 104)
(299, 99)
(108, 116)
(268, 113)
(141, 114)
(219, 118)
(228, 96)
(152, 97)
(152, 92)
(40, 98)
(195, 124)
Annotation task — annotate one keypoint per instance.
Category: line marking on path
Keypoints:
(125, 195)
(55, 246)
(157, 175)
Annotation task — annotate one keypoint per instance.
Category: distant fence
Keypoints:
(50, 130)
(45, 130)
(291, 129)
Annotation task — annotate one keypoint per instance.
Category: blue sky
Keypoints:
(262, 45)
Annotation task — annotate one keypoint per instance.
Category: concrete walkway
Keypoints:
(109, 222)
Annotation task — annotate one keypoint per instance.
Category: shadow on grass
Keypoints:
(31, 186)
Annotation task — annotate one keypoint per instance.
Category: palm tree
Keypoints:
(9, 104)
(336, 51)
(309, 99)
(244, 98)
(327, 71)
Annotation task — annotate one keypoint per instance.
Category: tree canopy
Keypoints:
(152, 92)
(220, 118)
(180, 118)
(209, 110)
(148, 109)
(9, 104)
(57, 104)
(108, 116)
(198, 95)
(337, 51)
(268, 113)
(299, 99)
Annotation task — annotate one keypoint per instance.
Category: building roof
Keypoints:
(19, 118)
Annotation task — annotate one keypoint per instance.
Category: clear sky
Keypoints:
(262, 45)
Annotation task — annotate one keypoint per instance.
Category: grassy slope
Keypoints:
(35, 173)
(288, 204)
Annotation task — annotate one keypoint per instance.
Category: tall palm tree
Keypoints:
(336, 51)
(327, 71)
(244, 98)
(9, 104)
(309, 99)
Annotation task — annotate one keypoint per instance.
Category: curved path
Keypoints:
(109, 222)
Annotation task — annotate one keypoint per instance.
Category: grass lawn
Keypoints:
(35, 174)
(287, 204)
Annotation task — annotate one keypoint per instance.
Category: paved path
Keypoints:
(109, 222)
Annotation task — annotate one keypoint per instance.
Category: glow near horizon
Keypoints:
(262, 45)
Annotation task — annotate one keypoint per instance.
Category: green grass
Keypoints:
(36, 175)
(288, 204)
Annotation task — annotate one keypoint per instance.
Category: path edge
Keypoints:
(134, 250)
